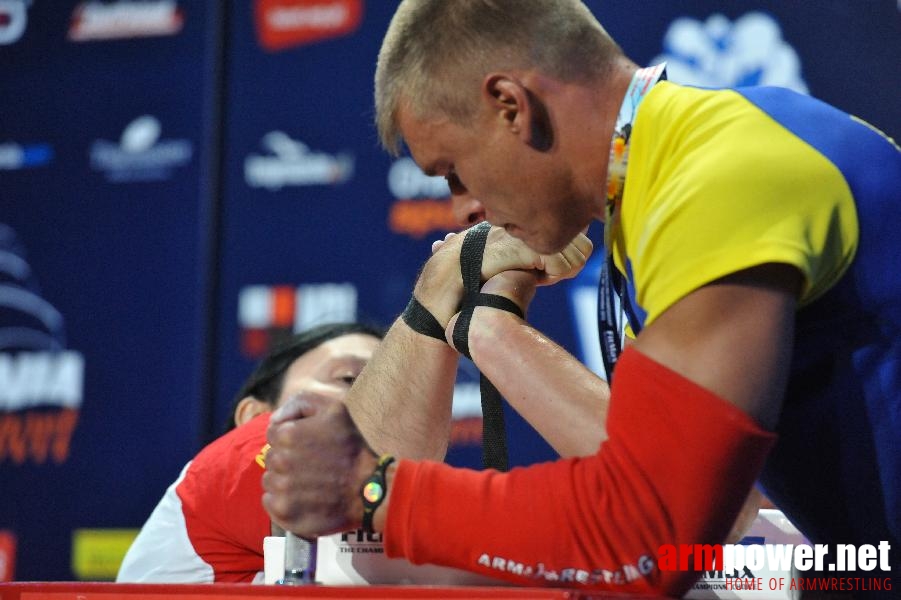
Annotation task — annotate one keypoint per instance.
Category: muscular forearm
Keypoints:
(402, 400)
(600, 520)
(560, 397)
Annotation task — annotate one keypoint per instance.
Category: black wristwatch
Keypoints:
(374, 491)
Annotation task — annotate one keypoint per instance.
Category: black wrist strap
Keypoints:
(471, 254)
(494, 438)
(419, 319)
(374, 491)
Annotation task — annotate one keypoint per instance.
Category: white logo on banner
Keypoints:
(312, 304)
(422, 204)
(323, 303)
(721, 53)
(15, 156)
(283, 18)
(29, 379)
(13, 20)
(125, 19)
(292, 163)
(406, 181)
(467, 400)
(34, 368)
(140, 154)
(36, 371)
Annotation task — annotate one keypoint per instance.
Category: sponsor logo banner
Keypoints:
(13, 20)
(718, 52)
(284, 24)
(125, 19)
(15, 156)
(41, 382)
(422, 204)
(269, 315)
(140, 154)
(7, 555)
(97, 553)
(466, 415)
(291, 163)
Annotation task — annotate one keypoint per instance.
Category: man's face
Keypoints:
(531, 193)
(330, 368)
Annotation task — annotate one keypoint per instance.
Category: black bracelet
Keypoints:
(374, 491)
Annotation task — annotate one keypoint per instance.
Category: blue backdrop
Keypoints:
(182, 183)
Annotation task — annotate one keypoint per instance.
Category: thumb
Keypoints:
(298, 406)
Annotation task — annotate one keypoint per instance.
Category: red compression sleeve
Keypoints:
(676, 468)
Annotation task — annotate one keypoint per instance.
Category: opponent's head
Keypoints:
(325, 359)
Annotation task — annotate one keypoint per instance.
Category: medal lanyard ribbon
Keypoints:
(612, 293)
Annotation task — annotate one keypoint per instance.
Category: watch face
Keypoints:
(373, 491)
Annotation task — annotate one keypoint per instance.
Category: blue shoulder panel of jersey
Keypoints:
(870, 162)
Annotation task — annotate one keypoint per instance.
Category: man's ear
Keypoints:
(522, 112)
(248, 408)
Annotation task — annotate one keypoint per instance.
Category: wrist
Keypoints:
(440, 287)
(366, 463)
(488, 330)
(516, 286)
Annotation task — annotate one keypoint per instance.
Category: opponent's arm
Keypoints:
(676, 467)
(687, 437)
(402, 399)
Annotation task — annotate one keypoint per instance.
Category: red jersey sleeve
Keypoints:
(675, 469)
(221, 497)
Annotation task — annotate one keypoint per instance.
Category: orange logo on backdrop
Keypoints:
(283, 24)
(419, 217)
(38, 436)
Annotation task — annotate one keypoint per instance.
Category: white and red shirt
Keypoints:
(210, 524)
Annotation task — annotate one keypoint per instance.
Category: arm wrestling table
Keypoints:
(238, 591)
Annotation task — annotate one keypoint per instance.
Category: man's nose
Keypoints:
(467, 210)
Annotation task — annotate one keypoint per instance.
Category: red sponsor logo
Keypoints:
(277, 324)
(283, 24)
(7, 555)
(466, 432)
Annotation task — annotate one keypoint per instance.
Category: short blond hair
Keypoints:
(436, 52)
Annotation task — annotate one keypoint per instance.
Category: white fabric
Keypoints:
(162, 552)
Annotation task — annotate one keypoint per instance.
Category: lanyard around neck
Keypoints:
(613, 298)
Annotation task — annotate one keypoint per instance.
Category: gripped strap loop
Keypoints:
(471, 270)
(494, 439)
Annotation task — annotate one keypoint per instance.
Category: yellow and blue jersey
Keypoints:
(723, 180)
